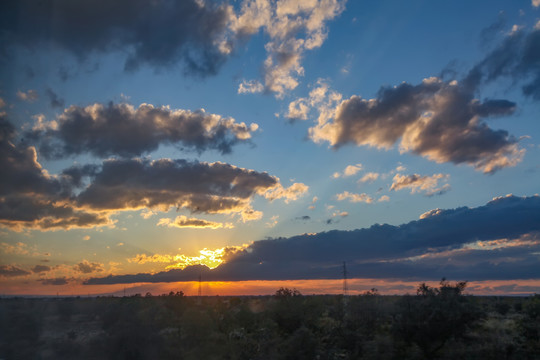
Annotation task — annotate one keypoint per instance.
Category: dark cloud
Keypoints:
(160, 33)
(87, 267)
(55, 100)
(29, 196)
(55, 281)
(12, 271)
(199, 187)
(418, 183)
(40, 268)
(86, 196)
(121, 129)
(303, 218)
(435, 119)
(488, 34)
(517, 58)
(386, 251)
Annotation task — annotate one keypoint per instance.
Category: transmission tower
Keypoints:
(345, 287)
(200, 286)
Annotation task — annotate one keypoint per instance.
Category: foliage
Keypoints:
(437, 322)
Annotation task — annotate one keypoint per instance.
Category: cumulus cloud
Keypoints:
(185, 222)
(369, 177)
(291, 193)
(170, 33)
(41, 269)
(350, 170)
(293, 27)
(124, 130)
(32, 198)
(352, 197)
(200, 187)
(156, 258)
(85, 196)
(435, 119)
(440, 120)
(12, 271)
(87, 267)
(321, 97)
(417, 183)
(30, 95)
(493, 241)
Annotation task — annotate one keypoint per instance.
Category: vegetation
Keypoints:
(436, 323)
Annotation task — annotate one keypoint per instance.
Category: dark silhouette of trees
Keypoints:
(434, 316)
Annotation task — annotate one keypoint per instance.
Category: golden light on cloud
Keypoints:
(185, 222)
(210, 258)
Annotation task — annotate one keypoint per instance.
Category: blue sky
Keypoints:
(319, 115)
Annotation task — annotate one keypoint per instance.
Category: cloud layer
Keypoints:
(435, 119)
(30, 197)
(494, 241)
(154, 33)
(87, 196)
(123, 130)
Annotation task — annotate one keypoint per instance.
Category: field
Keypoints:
(435, 323)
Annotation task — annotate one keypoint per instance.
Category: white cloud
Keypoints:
(352, 197)
(293, 27)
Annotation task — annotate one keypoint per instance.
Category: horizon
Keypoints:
(262, 144)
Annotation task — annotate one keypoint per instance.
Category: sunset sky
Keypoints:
(260, 144)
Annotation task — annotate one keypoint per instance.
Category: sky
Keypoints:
(258, 144)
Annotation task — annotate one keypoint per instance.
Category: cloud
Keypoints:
(87, 267)
(352, 197)
(121, 129)
(170, 33)
(85, 196)
(209, 258)
(516, 58)
(293, 27)
(17, 249)
(273, 221)
(535, 3)
(249, 87)
(29, 96)
(55, 281)
(291, 193)
(40, 268)
(350, 170)
(435, 119)
(185, 222)
(384, 198)
(369, 177)
(30, 197)
(131, 184)
(303, 218)
(55, 100)
(320, 97)
(493, 241)
(12, 271)
(417, 183)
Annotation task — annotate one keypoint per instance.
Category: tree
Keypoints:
(434, 316)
